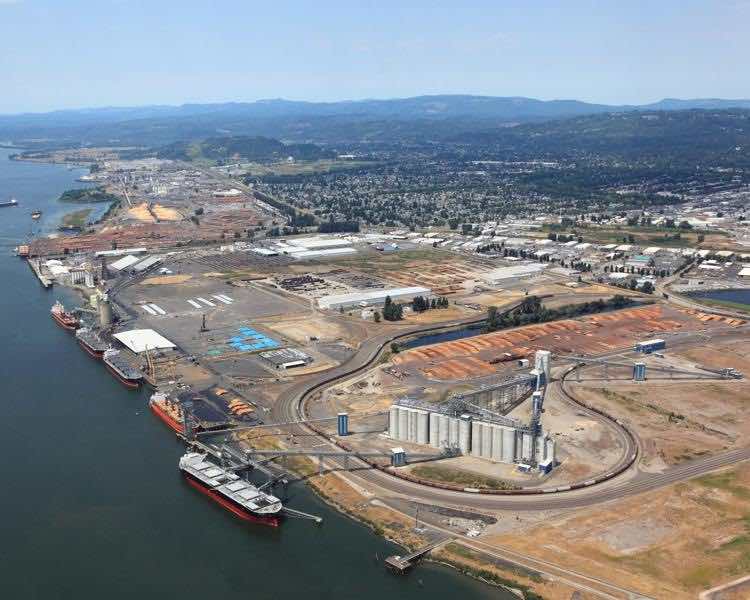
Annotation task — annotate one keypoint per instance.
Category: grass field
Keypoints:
(464, 478)
(306, 167)
(77, 218)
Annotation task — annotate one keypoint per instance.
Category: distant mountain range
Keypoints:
(361, 120)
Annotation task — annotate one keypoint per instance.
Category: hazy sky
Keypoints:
(84, 53)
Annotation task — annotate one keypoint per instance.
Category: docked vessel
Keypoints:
(91, 342)
(231, 491)
(123, 371)
(11, 202)
(63, 318)
(169, 411)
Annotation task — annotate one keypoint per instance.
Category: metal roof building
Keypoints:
(376, 297)
(140, 340)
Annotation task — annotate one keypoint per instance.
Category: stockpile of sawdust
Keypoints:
(142, 213)
(166, 279)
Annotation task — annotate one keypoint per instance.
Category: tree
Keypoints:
(376, 316)
(647, 288)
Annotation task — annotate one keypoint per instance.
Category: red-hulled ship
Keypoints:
(225, 487)
(91, 343)
(123, 371)
(169, 411)
(64, 319)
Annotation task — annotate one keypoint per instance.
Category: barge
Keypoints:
(122, 370)
(91, 343)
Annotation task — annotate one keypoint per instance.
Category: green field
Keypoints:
(78, 218)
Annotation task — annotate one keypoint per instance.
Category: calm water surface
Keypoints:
(92, 504)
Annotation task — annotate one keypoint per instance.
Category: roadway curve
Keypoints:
(289, 408)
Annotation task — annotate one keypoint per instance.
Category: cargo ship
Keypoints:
(123, 371)
(91, 343)
(231, 491)
(169, 411)
(64, 319)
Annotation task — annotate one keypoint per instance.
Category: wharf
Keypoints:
(36, 266)
(401, 564)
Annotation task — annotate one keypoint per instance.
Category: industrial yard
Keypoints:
(286, 345)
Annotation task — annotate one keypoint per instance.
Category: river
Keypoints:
(93, 505)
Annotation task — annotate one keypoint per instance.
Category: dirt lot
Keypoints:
(682, 419)
(166, 280)
(670, 543)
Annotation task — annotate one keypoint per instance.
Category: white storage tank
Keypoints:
(412, 437)
(476, 439)
(487, 440)
(453, 431)
(464, 434)
(509, 444)
(526, 446)
(423, 426)
(445, 430)
(435, 430)
(540, 448)
(497, 443)
(393, 422)
(403, 423)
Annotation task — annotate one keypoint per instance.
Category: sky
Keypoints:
(57, 54)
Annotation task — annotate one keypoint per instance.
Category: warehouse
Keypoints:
(507, 275)
(286, 358)
(124, 263)
(374, 297)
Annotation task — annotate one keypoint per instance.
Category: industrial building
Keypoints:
(513, 274)
(286, 358)
(493, 438)
(648, 346)
(374, 297)
(475, 423)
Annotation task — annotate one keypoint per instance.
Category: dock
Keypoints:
(36, 266)
(402, 564)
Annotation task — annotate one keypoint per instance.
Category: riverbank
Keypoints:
(93, 538)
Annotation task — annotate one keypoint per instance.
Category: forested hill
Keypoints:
(707, 138)
(248, 148)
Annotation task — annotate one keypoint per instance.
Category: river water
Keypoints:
(92, 504)
(740, 296)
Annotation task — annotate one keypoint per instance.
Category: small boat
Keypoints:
(36, 215)
(228, 489)
(8, 203)
(64, 319)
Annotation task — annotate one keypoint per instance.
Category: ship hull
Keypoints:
(238, 511)
(170, 422)
(64, 324)
(95, 354)
(128, 383)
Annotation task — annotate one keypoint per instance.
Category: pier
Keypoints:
(36, 266)
(402, 564)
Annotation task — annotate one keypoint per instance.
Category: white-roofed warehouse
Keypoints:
(140, 340)
(374, 297)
